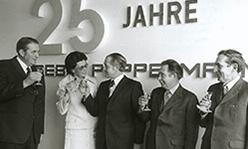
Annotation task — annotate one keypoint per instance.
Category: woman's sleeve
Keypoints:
(63, 103)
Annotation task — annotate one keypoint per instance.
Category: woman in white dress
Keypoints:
(80, 125)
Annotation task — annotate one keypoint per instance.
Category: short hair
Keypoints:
(234, 57)
(174, 67)
(118, 60)
(72, 59)
(23, 42)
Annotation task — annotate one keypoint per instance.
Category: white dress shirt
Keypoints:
(23, 65)
(231, 83)
(117, 81)
(173, 89)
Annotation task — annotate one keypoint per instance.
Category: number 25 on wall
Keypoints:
(76, 18)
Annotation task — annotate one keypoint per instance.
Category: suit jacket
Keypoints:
(226, 128)
(21, 110)
(118, 126)
(176, 126)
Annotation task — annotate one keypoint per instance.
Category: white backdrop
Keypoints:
(221, 25)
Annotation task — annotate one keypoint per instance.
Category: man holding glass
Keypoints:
(116, 105)
(173, 114)
(22, 98)
(224, 110)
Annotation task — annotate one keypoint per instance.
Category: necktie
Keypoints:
(167, 96)
(28, 70)
(112, 83)
(225, 90)
(111, 88)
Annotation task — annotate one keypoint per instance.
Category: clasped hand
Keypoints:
(81, 88)
(205, 105)
(84, 88)
(32, 78)
(143, 101)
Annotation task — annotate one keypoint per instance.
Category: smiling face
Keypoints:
(166, 78)
(31, 54)
(224, 71)
(109, 68)
(81, 69)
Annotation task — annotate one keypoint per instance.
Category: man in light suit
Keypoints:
(226, 121)
(22, 101)
(116, 105)
(173, 114)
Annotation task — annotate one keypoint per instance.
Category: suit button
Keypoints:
(36, 92)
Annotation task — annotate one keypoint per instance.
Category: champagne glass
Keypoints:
(83, 87)
(205, 103)
(147, 97)
(40, 70)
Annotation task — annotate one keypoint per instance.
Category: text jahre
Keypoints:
(180, 12)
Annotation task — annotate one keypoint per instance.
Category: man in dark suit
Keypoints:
(173, 114)
(116, 105)
(22, 101)
(226, 121)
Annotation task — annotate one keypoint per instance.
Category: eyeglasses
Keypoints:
(163, 75)
(82, 67)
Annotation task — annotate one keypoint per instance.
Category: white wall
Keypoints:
(221, 25)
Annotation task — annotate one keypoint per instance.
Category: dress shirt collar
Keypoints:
(23, 65)
(118, 79)
(232, 83)
(173, 89)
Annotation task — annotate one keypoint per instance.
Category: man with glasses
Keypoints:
(224, 114)
(173, 114)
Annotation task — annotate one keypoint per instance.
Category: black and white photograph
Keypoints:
(123, 74)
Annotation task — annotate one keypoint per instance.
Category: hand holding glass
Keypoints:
(84, 88)
(40, 70)
(143, 102)
(205, 103)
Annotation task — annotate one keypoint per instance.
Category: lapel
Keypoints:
(106, 90)
(232, 92)
(176, 97)
(160, 98)
(18, 67)
(118, 88)
(217, 95)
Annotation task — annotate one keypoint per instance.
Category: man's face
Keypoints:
(223, 70)
(81, 69)
(31, 55)
(109, 69)
(166, 78)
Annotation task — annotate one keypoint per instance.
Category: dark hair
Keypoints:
(23, 42)
(72, 59)
(234, 57)
(174, 67)
(118, 60)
